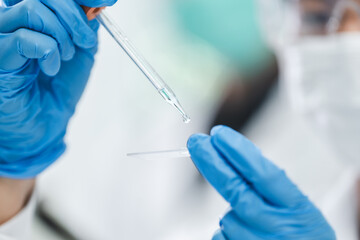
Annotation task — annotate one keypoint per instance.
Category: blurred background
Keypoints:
(214, 57)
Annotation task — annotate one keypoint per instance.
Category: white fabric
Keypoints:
(340, 205)
(323, 79)
(19, 227)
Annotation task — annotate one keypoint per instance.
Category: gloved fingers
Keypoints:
(225, 179)
(74, 20)
(233, 228)
(68, 90)
(218, 235)
(34, 15)
(267, 179)
(25, 44)
(96, 3)
(34, 45)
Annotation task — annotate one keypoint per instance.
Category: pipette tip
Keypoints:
(170, 98)
(186, 118)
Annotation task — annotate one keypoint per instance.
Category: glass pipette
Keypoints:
(169, 154)
(163, 89)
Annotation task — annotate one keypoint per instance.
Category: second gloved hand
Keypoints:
(265, 204)
(47, 53)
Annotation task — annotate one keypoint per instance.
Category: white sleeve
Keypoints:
(19, 227)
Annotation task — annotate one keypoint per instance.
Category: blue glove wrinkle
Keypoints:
(55, 29)
(23, 170)
(12, 82)
(248, 161)
(298, 223)
(17, 109)
(233, 228)
(37, 17)
(32, 13)
(94, 25)
(69, 97)
(75, 21)
(72, 16)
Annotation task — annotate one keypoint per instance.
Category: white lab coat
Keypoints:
(339, 210)
(19, 227)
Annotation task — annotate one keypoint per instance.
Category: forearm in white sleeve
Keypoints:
(19, 227)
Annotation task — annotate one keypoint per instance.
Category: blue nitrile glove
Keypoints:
(47, 50)
(265, 204)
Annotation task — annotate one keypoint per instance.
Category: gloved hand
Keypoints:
(265, 204)
(47, 52)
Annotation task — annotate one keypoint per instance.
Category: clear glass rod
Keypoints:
(157, 155)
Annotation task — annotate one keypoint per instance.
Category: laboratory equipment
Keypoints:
(161, 87)
(156, 155)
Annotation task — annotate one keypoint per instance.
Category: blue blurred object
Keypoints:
(218, 235)
(265, 204)
(35, 106)
(231, 26)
